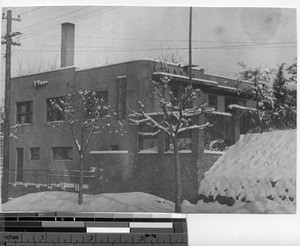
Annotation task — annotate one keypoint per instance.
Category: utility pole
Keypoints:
(8, 41)
(190, 48)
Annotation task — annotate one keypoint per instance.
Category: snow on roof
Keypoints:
(258, 165)
(97, 152)
(227, 88)
(49, 71)
(205, 81)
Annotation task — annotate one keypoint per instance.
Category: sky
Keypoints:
(221, 37)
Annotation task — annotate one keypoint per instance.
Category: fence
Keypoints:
(49, 179)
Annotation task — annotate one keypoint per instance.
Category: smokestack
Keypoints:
(67, 44)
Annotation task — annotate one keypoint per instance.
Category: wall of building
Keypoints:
(61, 81)
(39, 133)
(149, 173)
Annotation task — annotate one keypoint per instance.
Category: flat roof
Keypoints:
(131, 61)
(205, 81)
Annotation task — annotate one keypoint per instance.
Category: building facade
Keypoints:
(40, 146)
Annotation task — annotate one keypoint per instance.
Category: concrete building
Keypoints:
(40, 146)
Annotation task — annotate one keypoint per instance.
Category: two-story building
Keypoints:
(42, 147)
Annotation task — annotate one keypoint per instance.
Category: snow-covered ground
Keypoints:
(130, 202)
(256, 167)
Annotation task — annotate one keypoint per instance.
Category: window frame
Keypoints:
(56, 114)
(66, 153)
(176, 91)
(28, 112)
(100, 94)
(32, 154)
(216, 101)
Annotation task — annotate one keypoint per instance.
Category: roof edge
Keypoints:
(50, 71)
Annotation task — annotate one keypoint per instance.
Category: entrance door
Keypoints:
(20, 160)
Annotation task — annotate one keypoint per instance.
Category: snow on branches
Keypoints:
(174, 110)
(85, 113)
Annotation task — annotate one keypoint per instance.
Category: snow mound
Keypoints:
(110, 202)
(130, 202)
(261, 206)
(258, 166)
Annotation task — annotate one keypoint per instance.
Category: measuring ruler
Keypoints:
(107, 229)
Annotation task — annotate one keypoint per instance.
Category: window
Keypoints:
(114, 147)
(53, 113)
(175, 95)
(103, 100)
(229, 101)
(24, 112)
(62, 153)
(103, 95)
(213, 101)
(35, 153)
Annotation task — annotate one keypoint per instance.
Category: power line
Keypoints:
(167, 40)
(55, 18)
(46, 28)
(159, 49)
(95, 14)
(20, 65)
(113, 47)
(52, 26)
(49, 26)
(31, 10)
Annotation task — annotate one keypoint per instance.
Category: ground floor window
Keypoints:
(35, 153)
(62, 153)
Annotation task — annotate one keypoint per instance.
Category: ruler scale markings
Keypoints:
(89, 229)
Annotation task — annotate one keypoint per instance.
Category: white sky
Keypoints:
(222, 37)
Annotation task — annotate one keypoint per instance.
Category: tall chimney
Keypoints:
(67, 44)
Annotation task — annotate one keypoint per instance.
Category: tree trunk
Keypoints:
(178, 191)
(259, 119)
(80, 188)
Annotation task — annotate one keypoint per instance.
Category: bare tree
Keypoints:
(175, 119)
(37, 65)
(85, 113)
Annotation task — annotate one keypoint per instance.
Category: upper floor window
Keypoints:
(53, 113)
(213, 101)
(24, 112)
(175, 95)
(102, 97)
